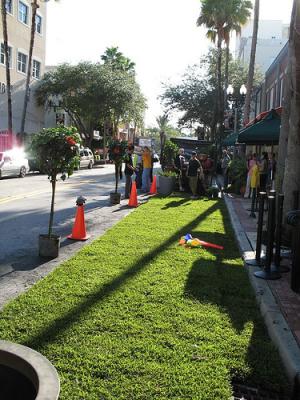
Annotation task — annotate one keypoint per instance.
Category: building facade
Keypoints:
(272, 37)
(270, 93)
(19, 14)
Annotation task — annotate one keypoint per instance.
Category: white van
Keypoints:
(13, 163)
(86, 158)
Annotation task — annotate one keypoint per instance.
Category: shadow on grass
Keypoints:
(49, 333)
(175, 203)
(227, 286)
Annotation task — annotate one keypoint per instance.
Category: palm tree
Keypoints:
(6, 54)
(34, 7)
(117, 60)
(252, 62)
(239, 13)
(221, 17)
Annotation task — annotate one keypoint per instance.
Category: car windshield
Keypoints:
(1, 156)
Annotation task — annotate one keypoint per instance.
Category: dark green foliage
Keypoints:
(55, 150)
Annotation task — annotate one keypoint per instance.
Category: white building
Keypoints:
(272, 36)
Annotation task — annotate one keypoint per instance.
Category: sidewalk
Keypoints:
(280, 306)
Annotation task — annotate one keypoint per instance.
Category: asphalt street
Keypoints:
(24, 214)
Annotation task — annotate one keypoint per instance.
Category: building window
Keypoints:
(23, 13)
(271, 104)
(2, 55)
(22, 62)
(38, 24)
(281, 92)
(9, 6)
(36, 69)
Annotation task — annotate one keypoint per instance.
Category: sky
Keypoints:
(160, 36)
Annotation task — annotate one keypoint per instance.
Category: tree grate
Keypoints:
(242, 392)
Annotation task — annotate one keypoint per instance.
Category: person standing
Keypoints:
(225, 160)
(129, 170)
(250, 163)
(254, 185)
(147, 165)
(263, 171)
(194, 168)
(207, 170)
(179, 164)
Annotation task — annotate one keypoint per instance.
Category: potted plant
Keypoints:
(116, 151)
(237, 173)
(166, 182)
(168, 155)
(56, 152)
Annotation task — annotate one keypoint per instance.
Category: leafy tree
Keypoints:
(195, 96)
(93, 94)
(55, 150)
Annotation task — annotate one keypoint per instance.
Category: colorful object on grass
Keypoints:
(189, 241)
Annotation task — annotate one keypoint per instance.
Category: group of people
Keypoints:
(261, 172)
(198, 172)
(141, 164)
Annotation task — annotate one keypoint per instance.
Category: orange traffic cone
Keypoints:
(79, 232)
(133, 202)
(153, 189)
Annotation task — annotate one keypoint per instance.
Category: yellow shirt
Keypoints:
(254, 182)
(147, 160)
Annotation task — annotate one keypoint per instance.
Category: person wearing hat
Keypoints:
(193, 170)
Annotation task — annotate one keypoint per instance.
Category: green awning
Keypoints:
(266, 131)
(230, 139)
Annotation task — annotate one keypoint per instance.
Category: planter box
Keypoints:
(115, 198)
(26, 374)
(166, 185)
(49, 246)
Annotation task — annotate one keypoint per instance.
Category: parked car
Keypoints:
(13, 163)
(87, 159)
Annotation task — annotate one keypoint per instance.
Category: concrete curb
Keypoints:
(277, 326)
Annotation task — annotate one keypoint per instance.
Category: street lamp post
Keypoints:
(55, 101)
(236, 101)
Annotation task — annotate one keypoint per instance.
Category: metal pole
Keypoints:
(267, 273)
(278, 234)
(295, 272)
(257, 260)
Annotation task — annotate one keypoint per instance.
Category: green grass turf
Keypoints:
(136, 316)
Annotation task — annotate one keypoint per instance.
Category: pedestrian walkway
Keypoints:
(280, 306)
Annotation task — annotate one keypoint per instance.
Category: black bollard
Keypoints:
(267, 273)
(295, 272)
(257, 260)
(278, 232)
(252, 213)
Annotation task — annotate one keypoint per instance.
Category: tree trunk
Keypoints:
(34, 7)
(53, 183)
(284, 132)
(251, 63)
(291, 180)
(117, 171)
(8, 84)
(220, 100)
(227, 55)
